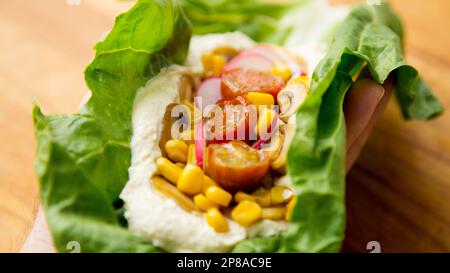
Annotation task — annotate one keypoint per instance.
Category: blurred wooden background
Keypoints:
(397, 194)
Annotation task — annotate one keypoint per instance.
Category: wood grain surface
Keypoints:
(397, 194)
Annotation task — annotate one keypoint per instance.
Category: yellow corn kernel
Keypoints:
(241, 196)
(218, 195)
(260, 98)
(265, 120)
(177, 156)
(284, 72)
(204, 203)
(206, 158)
(208, 62)
(190, 180)
(262, 197)
(302, 79)
(180, 165)
(191, 155)
(226, 51)
(246, 213)
(290, 208)
(167, 169)
(273, 213)
(219, 64)
(280, 195)
(216, 220)
(213, 64)
(207, 182)
(171, 191)
(176, 150)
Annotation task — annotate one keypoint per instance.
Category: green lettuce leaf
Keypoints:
(258, 19)
(82, 159)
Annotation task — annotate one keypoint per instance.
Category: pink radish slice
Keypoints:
(210, 92)
(200, 144)
(276, 54)
(264, 50)
(258, 144)
(250, 61)
(264, 138)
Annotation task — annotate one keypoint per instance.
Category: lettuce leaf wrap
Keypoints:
(82, 159)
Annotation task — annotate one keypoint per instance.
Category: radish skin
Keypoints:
(200, 145)
(250, 61)
(210, 91)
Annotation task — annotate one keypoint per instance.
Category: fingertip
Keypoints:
(360, 105)
(369, 89)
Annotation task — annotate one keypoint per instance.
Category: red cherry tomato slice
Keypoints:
(231, 119)
(240, 81)
(236, 166)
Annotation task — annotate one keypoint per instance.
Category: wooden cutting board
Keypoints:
(397, 194)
